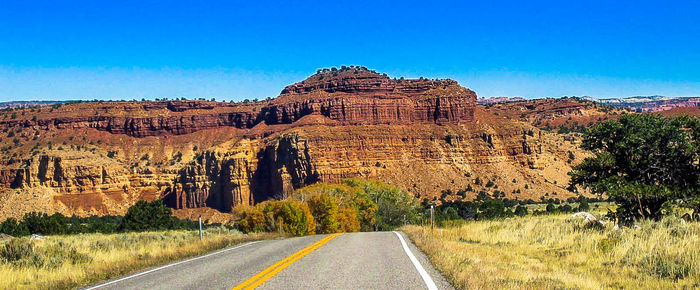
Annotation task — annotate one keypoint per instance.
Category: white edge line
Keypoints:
(170, 265)
(426, 277)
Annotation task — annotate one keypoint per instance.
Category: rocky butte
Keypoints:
(423, 135)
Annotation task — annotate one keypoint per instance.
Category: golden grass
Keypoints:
(545, 252)
(79, 260)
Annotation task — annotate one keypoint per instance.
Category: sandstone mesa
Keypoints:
(422, 135)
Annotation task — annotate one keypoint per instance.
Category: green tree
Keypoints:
(148, 216)
(393, 203)
(41, 223)
(324, 209)
(521, 211)
(11, 227)
(493, 208)
(292, 216)
(583, 206)
(252, 220)
(641, 162)
(346, 195)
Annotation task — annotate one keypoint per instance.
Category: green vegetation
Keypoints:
(143, 216)
(486, 207)
(648, 164)
(354, 205)
(289, 216)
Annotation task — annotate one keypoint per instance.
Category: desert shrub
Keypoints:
(521, 211)
(24, 253)
(666, 267)
(607, 244)
(16, 250)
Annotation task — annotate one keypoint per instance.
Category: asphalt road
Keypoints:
(373, 260)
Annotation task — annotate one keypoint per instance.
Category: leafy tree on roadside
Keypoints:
(347, 219)
(641, 162)
(41, 223)
(148, 216)
(347, 194)
(393, 203)
(293, 216)
(252, 220)
(324, 208)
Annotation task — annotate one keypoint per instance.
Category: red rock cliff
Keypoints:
(423, 135)
(351, 96)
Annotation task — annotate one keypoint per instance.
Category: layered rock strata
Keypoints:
(423, 135)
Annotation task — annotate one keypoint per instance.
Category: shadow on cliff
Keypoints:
(282, 168)
(222, 182)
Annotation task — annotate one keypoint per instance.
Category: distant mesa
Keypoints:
(498, 100)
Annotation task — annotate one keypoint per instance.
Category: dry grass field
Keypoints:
(78, 260)
(557, 251)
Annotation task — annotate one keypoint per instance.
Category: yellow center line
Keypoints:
(266, 274)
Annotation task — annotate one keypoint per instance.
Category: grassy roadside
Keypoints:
(555, 251)
(78, 260)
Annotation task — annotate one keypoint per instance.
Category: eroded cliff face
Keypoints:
(246, 173)
(423, 135)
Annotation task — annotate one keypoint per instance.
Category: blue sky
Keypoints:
(252, 49)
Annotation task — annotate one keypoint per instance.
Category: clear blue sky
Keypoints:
(236, 50)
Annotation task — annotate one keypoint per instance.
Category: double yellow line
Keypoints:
(266, 274)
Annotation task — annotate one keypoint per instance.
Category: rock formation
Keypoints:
(423, 135)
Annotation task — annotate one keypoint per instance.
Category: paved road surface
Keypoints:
(373, 260)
